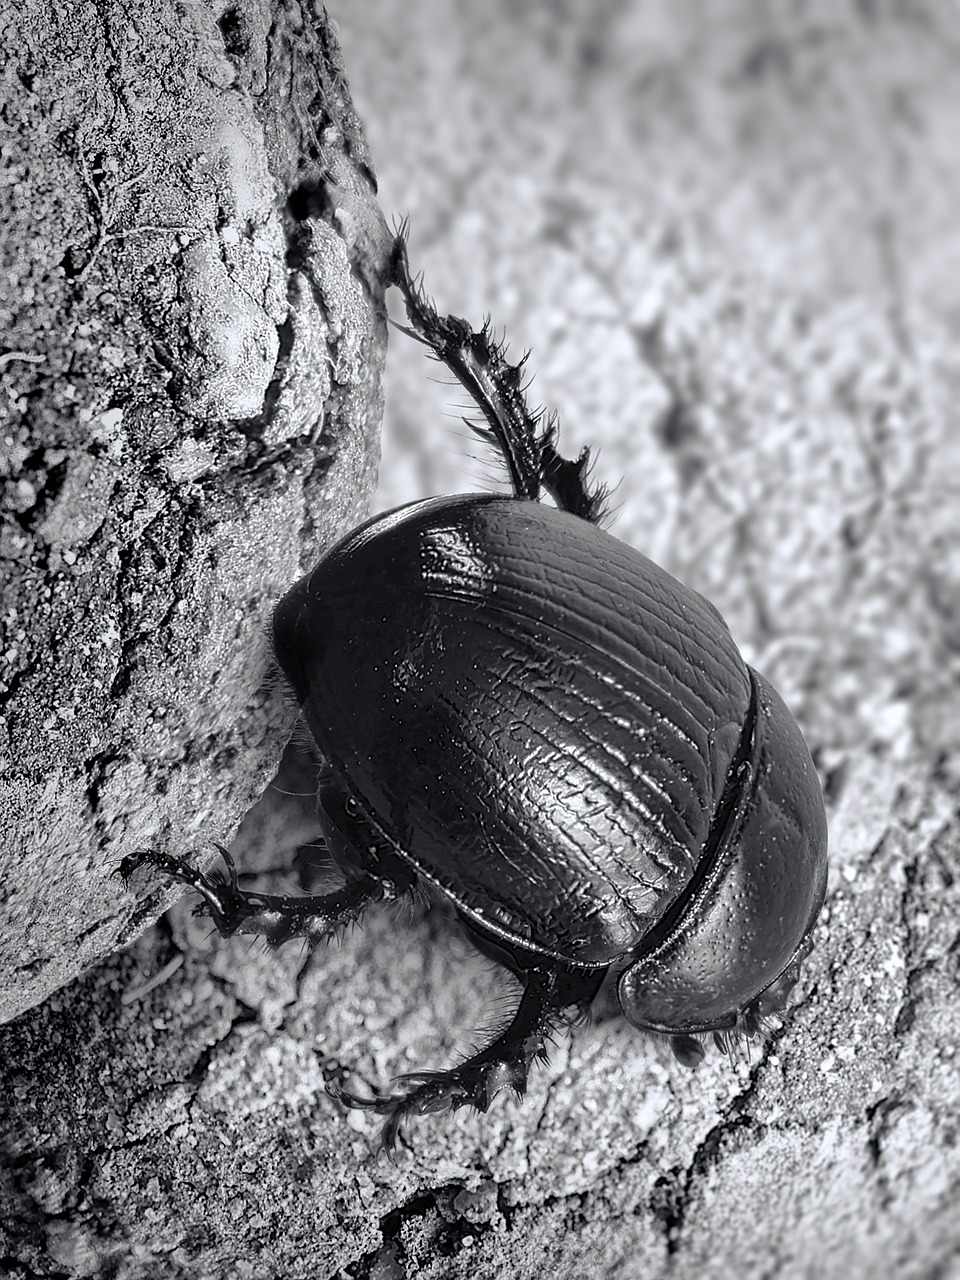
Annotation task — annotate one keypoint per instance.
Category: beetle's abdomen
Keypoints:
(537, 716)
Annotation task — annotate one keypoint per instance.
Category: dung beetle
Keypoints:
(531, 718)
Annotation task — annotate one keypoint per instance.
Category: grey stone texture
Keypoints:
(190, 411)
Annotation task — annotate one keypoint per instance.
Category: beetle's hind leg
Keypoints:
(277, 918)
(504, 1063)
(526, 438)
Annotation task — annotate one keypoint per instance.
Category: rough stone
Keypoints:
(193, 334)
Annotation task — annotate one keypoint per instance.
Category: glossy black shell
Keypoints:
(565, 740)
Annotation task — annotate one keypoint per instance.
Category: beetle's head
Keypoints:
(727, 954)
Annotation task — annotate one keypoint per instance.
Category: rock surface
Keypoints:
(730, 238)
(193, 333)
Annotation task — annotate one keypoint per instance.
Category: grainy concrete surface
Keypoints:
(729, 234)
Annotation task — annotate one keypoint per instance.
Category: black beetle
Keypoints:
(547, 728)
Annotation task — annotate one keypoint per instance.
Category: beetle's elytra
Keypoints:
(524, 713)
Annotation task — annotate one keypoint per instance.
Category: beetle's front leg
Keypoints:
(277, 918)
(503, 1064)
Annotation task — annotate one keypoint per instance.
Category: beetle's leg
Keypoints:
(502, 1064)
(526, 438)
(277, 918)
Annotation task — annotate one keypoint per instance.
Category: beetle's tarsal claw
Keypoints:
(223, 901)
(389, 1135)
(175, 868)
(473, 1084)
(336, 1090)
(231, 866)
